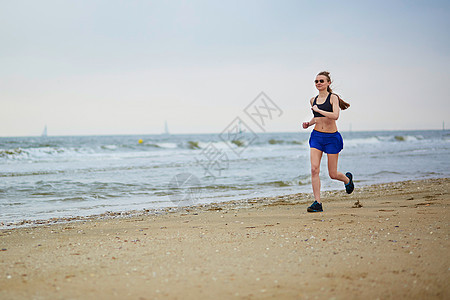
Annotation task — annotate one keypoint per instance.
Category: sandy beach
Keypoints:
(396, 246)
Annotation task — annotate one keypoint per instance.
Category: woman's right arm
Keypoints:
(313, 120)
(310, 123)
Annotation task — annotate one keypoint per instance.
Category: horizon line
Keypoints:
(199, 133)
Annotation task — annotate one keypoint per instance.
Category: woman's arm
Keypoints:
(313, 121)
(310, 123)
(334, 115)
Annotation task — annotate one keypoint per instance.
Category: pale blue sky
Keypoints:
(124, 67)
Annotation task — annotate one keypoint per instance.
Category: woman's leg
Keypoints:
(316, 156)
(332, 169)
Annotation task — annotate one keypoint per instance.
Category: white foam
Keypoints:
(364, 141)
(167, 145)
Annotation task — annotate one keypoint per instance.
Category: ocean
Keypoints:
(71, 176)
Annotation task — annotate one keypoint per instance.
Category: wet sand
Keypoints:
(396, 246)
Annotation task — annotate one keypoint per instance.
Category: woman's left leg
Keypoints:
(332, 169)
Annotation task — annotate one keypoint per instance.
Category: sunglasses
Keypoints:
(321, 81)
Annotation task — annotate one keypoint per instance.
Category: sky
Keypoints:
(127, 67)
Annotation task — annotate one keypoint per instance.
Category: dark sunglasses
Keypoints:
(321, 81)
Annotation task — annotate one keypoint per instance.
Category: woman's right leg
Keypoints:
(316, 156)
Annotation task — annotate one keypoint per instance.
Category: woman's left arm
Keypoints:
(334, 115)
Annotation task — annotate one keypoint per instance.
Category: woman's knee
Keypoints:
(315, 170)
(333, 175)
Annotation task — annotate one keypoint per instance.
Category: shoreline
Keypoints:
(298, 198)
(393, 247)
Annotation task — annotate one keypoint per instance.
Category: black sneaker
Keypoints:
(349, 187)
(315, 207)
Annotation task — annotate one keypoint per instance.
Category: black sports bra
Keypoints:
(326, 106)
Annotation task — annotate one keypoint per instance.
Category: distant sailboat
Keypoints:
(44, 133)
(166, 128)
(240, 127)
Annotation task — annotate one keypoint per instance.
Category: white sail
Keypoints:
(44, 133)
(166, 128)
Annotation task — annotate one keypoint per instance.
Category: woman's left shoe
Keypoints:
(349, 187)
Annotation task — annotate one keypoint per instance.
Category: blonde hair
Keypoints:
(342, 104)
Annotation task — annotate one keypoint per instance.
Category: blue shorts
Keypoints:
(330, 143)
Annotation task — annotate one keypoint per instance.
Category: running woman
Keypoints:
(325, 137)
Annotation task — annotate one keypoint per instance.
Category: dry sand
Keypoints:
(396, 246)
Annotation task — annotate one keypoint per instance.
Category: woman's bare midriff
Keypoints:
(325, 125)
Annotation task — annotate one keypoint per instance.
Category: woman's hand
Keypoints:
(315, 108)
(305, 125)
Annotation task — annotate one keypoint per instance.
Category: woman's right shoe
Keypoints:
(349, 187)
(315, 207)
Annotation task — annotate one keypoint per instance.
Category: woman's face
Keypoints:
(321, 82)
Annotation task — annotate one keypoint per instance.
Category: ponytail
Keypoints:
(342, 104)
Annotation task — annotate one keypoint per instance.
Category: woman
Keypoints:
(325, 137)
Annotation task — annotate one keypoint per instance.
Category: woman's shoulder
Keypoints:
(312, 100)
(334, 97)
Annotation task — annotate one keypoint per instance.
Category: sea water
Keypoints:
(55, 177)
